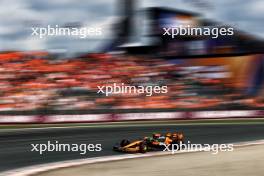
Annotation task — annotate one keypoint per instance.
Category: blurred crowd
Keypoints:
(32, 81)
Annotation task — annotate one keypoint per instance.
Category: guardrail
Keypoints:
(89, 118)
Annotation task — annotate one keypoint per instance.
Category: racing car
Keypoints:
(156, 142)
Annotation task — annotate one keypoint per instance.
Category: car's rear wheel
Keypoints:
(143, 147)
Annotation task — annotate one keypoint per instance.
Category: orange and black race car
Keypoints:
(156, 142)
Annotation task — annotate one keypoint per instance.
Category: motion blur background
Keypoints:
(60, 74)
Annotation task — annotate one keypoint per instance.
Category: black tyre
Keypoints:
(143, 147)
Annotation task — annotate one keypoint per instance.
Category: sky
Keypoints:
(17, 17)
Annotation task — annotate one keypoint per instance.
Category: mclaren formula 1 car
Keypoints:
(156, 142)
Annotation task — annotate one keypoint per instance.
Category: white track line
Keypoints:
(29, 171)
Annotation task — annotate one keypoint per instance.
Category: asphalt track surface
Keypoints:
(15, 146)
